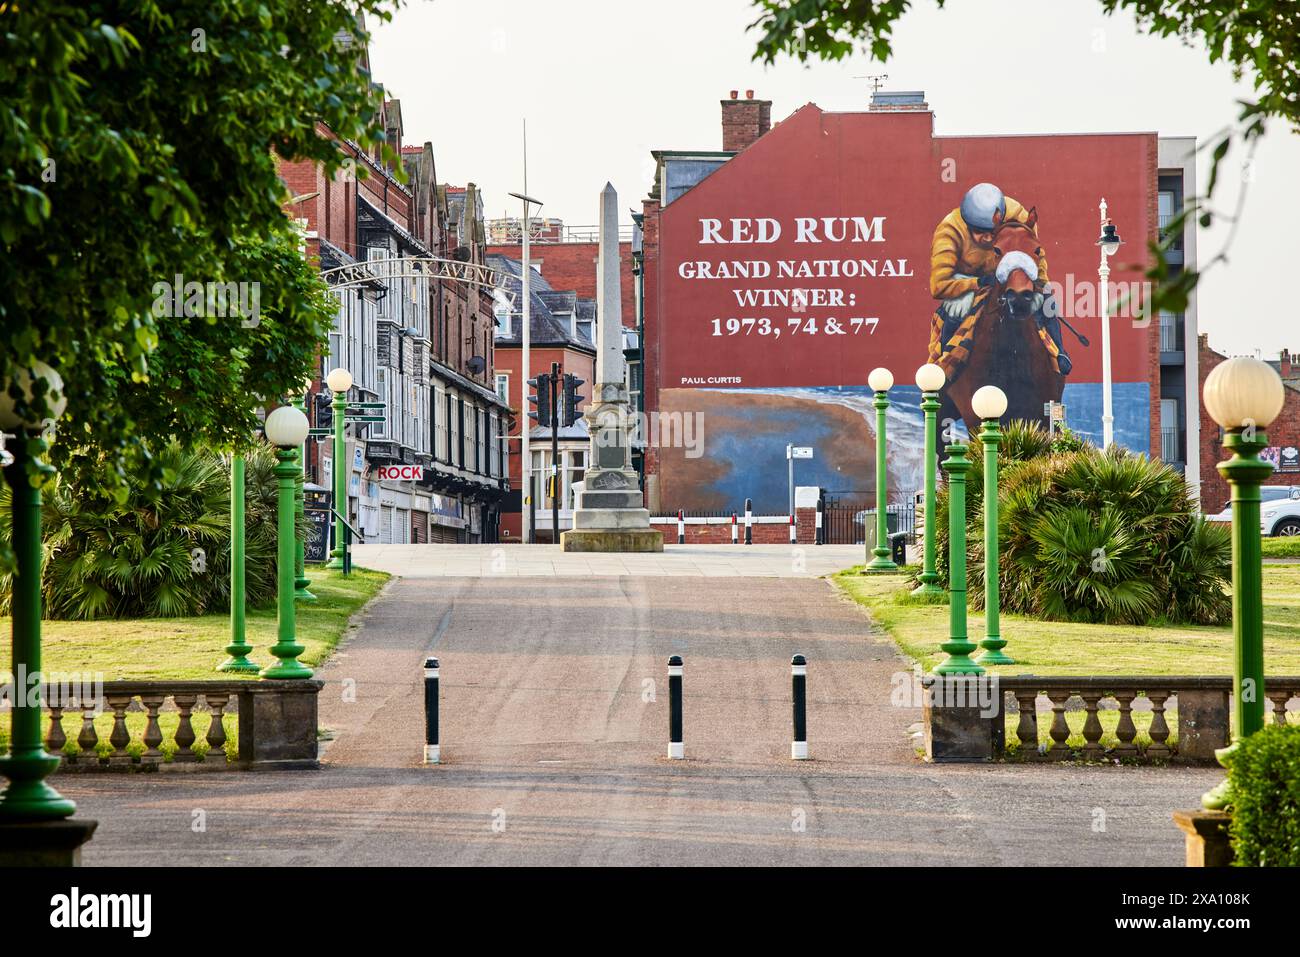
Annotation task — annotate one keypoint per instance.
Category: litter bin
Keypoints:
(898, 548)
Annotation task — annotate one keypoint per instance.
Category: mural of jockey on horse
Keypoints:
(989, 273)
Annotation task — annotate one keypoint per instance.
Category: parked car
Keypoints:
(1281, 517)
(1268, 495)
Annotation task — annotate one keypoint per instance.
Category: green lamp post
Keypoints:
(339, 381)
(28, 797)
(990, 404)
(239, 647)
(301, 581)
(1244, 395)
(958, 645)
(881, 381)
(286, 429)
(930, 379)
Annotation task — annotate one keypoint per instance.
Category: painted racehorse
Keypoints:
(1006, 348)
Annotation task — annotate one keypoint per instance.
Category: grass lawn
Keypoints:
(1067, 648)
(192, 647)
(1283, 546)
(188, 648)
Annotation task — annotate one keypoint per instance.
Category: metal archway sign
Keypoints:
(409, 267)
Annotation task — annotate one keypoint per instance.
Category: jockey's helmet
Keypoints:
(981, 202)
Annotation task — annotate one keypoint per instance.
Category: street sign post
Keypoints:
(793, 452)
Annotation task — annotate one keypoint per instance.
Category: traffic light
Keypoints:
(541, 397)
(570, 413)
(321, 413)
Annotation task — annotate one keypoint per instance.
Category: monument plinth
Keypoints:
(609, 514)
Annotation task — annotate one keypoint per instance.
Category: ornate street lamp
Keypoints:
(27, 796)
(339, 381)
(301, 581)
(930, 379)
(990, 404)
(1109, 243)
(286, 429)
(239, 647)
(1244, 396)
(881, 381)
(958, 645)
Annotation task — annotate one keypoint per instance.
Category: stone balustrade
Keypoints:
(966, 721)
(276, 723)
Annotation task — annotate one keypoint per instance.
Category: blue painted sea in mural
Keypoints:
(746, 432)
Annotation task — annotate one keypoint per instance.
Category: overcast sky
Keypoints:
(603, 82)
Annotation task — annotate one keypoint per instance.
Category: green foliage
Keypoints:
(1265, 781)
(137, 558)
(139, 142)
(1093, 536)
(1258, 39)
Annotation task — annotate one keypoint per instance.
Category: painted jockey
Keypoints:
(963, 268)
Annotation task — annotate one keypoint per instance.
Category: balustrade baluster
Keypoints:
(152, 732)
(1027, 726)
(185, 736)
(120, 736)
(1059, 731)
(1159, 729)
(56, 739)
(1126, 731)
(217, 729)
(1091, 725)
(88, 739)
(1279, 699)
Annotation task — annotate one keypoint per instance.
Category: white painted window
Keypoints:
(440, 423)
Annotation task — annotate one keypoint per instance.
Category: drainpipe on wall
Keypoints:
(638, 285)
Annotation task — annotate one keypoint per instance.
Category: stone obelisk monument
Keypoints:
(609, 514)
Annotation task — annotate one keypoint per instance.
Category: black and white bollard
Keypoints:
(799, 698)
(735, 529)
(681, 527)
(675, 747)
(431, 753)
(794, 535)
(749, 521)
(821, 536)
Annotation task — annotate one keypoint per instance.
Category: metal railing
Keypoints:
(1170, 446)
(1171, 332)
(508, 231)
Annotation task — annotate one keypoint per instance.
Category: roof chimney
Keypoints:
(744, 121)
(1285, 364)
(907, 101)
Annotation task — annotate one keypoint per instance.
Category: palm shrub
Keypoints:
(160, 556)
(1087, 535)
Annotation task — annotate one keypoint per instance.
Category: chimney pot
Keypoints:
(749, 94)
(734, 94)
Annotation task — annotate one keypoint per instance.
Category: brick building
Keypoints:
(564, 258)
(780, 269)
(1283, 434)
(562, 331)
(421, 345)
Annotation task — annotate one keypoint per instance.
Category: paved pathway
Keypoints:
(555, 755)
